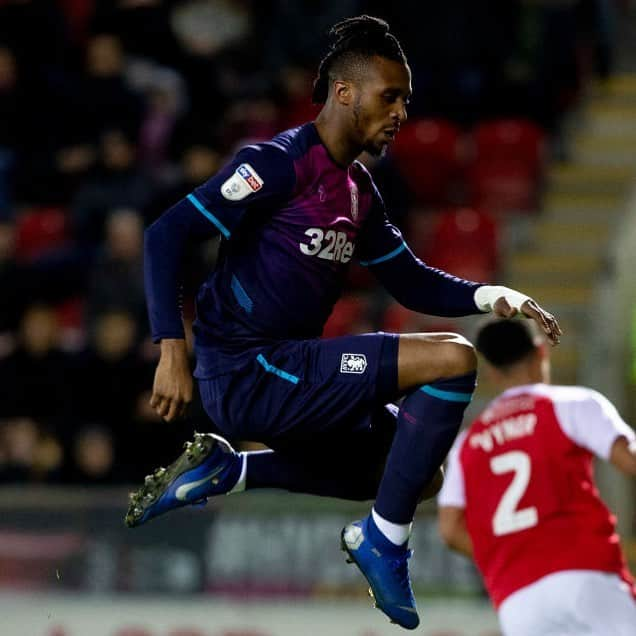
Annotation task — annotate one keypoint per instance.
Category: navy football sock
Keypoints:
(341, 476)
(428, 422)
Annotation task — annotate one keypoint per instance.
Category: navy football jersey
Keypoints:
(292, 220)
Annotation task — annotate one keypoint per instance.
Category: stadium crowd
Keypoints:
(111, 111)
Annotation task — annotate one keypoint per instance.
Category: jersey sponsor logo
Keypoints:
(329, 245)
(242, 183)
(251, 177)
(353, 363)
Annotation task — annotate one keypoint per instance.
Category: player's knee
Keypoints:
(460, 356)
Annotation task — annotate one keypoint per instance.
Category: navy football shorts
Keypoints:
(299, 391)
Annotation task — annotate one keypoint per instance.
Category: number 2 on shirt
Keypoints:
(507, 517)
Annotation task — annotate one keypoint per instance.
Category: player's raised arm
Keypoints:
(257, 175)
(429, 290)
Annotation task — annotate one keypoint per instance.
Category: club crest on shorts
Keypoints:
(353, 363)
(244, 181)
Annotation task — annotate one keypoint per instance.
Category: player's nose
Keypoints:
(400, 115)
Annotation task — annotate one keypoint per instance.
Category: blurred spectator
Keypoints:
(165, 94)
(34, 377)
(205, 30)
(197, 163)
(110, 373)
(27, 452)
(93, 458)
(119, 182)
(116, 280)
(11, 119)
(15, 281)
(9, 99)
(106, 99)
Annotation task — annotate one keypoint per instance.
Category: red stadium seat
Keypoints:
(429, 154)
(503, 186)
(510, 139)
(40, 230)
(507, 166)
(465, 243)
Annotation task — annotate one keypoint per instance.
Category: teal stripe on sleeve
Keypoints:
(208, 215)
(450, 396)
(386, 257)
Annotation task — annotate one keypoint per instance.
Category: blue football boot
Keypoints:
(209, 466)
(386, 569)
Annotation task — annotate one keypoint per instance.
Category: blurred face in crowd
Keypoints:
(94, 453)
(104, 56)
(7, 69)
(378, 102)
(20, 437)
(124, 234)
(114, 335)
(118, 153)
(200, 163)
(39, 330)
(7, 241)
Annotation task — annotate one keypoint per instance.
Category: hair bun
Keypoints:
(361, 26)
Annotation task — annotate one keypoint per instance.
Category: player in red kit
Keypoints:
(519, 497)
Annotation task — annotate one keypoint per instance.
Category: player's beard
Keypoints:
(374, 149)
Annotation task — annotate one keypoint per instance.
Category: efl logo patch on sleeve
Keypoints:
(353, 363)
(243, 182)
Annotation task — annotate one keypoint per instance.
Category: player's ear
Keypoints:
(342, 92)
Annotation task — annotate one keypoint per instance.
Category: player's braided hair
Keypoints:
(361, 37)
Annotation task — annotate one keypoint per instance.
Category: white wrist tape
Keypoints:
(488, 295)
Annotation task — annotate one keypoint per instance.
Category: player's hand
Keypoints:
(546, 321)
(172, 388)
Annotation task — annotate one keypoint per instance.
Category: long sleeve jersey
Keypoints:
(291, 221)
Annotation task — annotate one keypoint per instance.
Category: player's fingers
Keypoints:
(544, 319)
(155, 398)
(162, 407)
(174, 408)
(551, 325)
